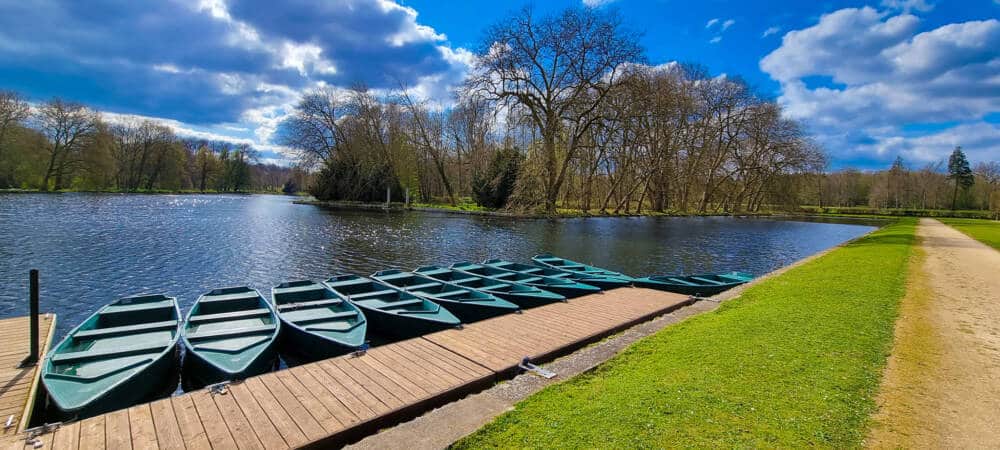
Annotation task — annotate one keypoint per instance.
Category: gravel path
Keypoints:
(942, 383)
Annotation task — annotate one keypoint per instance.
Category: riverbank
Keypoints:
(942, 385)
(794, 362)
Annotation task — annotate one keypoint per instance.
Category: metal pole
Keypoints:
(33, 286)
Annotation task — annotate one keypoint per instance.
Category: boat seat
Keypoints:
(309, 304)
(127, 329)
(464, 280)
(423, 286)
(681, 281)
(393, 276)
(232, 332)
(493, 286)
(298, 289)
(530, 280)
(504, 275)
(400, 304)
(71, 357)
(706, 280)
(244, 314)
(118, 309)
(373, 294)
(229, 297)
(451, 293)
(327, 317)
(532, 270)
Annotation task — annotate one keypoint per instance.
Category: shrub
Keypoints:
(493, 188)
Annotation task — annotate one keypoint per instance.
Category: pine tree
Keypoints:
(960, 172)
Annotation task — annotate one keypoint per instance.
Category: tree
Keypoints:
(68, 127)
(560, 70)
(13, 111)
(493, 188)
(960, 173)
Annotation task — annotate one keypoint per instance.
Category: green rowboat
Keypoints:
(125, 353)
(391, 310)
(595, 276)
(522, 295)
(315, 323)
(563, 286)
(468, 304)
(703, 285)
(229, 334)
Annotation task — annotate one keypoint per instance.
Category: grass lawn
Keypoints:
(985, 231)
(796, 361)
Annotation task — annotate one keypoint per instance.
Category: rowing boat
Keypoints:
(584, 273)
(467, 304)
(519, 294)
(563, 286)
(702, 285)
(229, 334)
(316, 324)
(123, 354)
(391, 310)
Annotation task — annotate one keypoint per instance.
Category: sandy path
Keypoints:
(942, 383)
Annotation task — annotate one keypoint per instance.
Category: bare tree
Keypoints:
(559, 69)
(13, 110)
(315, 128)
(68, 127)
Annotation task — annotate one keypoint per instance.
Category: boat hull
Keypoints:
(158, 379)
(305, 346)
(402, 327)
(470, 312)
(198, 372)
(699, 291)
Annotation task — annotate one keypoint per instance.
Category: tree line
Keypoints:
(59, 145)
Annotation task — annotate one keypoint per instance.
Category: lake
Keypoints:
(92, 248)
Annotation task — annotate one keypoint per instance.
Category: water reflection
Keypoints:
(92, 248)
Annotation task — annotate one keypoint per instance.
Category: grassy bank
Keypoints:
(796, 361)
(896, 212)
(985, 231)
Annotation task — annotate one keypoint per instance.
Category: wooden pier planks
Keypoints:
(17, 385)
(339, 400)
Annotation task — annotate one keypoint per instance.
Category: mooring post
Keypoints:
(388, 191)
(32, 358)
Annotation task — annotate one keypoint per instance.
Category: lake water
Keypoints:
(93, 248)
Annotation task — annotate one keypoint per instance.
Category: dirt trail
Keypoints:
(942, 383)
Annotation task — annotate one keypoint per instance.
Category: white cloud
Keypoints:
(775, 30)
(600, 3)
(909, 5)
(715, 40)
(728, 23)
(859, 76)
(711, 22)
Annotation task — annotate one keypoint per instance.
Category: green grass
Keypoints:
(985, 231)
(796, 361)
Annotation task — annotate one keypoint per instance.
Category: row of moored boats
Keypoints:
(128, 351)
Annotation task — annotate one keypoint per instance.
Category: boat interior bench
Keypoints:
(309, 304)
(373, 294)
(321, 317)
(398, 304)
(423, 285)
(245, 314)
(231, 332)
(86, 355)
(229, 297)
(120, 309)
(450, 293)
(127, 329)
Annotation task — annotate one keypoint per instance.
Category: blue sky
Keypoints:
(871, 80)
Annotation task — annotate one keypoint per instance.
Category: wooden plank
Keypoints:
(351, 385)
(335, 387)
(299, 413)
(168, 432)
(330, 401)
(260, 423)
(421, 372)
(282, 421)
(189, 423)
(378, 382)
(117, 434)
(410, 380)
(142, 429)
(311, 403)
(406, 353)
(239, 426)
(67, 437)
(369, 384)
(216, 430)
(92, 432)
(454, 364)
(458, 345)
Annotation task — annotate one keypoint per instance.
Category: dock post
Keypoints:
(388, 192)
(32, 358)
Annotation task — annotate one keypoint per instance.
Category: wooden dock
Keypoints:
(17, 384)
(340, 400)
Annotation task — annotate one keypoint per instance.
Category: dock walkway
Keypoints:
(17, 383)
(340, 400)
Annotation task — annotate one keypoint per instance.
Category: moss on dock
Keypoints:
(795, 361)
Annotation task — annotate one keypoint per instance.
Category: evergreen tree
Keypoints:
(960, 172)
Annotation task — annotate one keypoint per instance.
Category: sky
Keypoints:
(870, 80)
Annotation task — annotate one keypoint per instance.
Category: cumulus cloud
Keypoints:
(908, 5)
(210, 62)
(711, 22)
(859, 75)
(600, 3)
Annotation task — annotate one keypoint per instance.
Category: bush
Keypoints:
(343, 180)
(493, 188)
